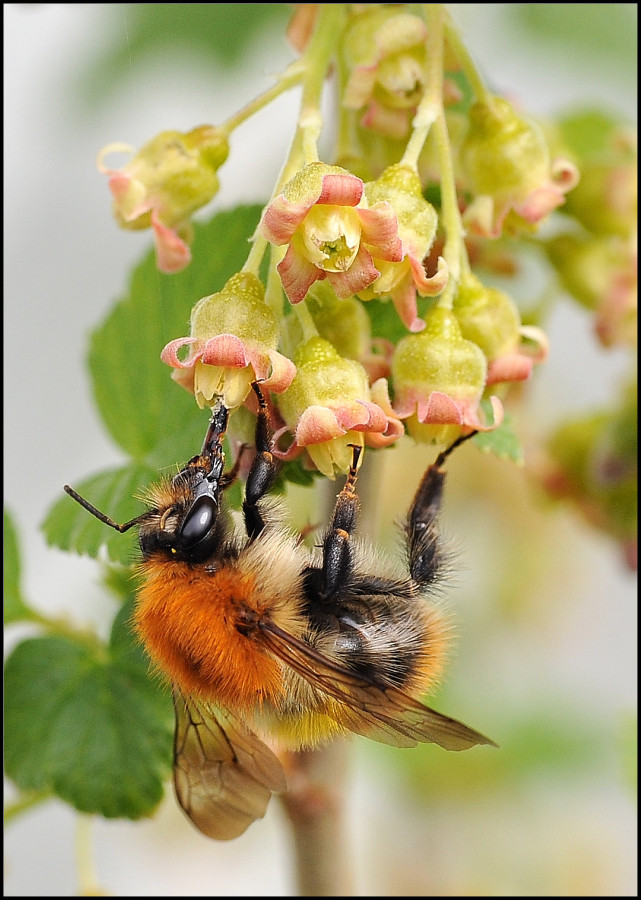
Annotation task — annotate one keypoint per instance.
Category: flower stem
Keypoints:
(87, 881)
(292, 76)
(432, 102)
(23, 803)
(454, 252)
(312, 70)
(314, 806)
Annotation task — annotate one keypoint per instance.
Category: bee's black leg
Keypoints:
(425, 556)
(263, 470)
(337, 547)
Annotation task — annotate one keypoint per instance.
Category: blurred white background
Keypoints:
(65, 264)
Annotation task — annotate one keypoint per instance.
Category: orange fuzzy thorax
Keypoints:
(186, 618)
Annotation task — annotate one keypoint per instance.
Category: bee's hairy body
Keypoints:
(267, 643)
(381, 628)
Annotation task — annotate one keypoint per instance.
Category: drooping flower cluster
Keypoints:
(376, 319)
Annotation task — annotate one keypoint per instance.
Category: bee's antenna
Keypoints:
(100, 515)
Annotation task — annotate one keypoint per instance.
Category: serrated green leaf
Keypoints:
(502, 441)
(140, 405)
(91, 727)
(15, 607)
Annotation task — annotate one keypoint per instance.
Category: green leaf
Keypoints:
(176, 35)
(145, 412)
(87, 725)
(15, 607)
(502, 441)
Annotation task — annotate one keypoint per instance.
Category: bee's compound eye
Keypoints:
(199, 521)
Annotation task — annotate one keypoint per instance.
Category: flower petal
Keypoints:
(539, 338)
(114, 147)
(440, 409)
(404, 300)
(298, 274)
(380, 231)
(429, 286)
(351, 414)
(172, 253)
(185, 378)
(169, 353)
(360, 85)
(225, 350)
(510, 367)
(316, 425)
(340, 190)
(376, 418)
(283, 372)
(282, 217)
(360, 274)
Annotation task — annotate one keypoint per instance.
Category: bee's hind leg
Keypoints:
(421, 527)
(338, 550)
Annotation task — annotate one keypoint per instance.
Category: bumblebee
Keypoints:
(265, 642)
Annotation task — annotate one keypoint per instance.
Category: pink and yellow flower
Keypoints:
(490, 318)
(507, 168)
(384, 54)
(328, 407)
(439, 379)
(166, 181)
(330, 232)
(417, 223)
(233, 341)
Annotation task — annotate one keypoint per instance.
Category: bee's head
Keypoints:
(187, 524)
(184, 518)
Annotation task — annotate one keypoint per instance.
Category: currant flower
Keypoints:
(328, 408)
(164, 183)
(384, 55)
(489, 318)
(400, 186)
(322, 217)
(507, 168)
(233, 341)
(439, 379)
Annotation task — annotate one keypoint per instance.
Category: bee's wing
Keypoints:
(223, 774)
(381, 712)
